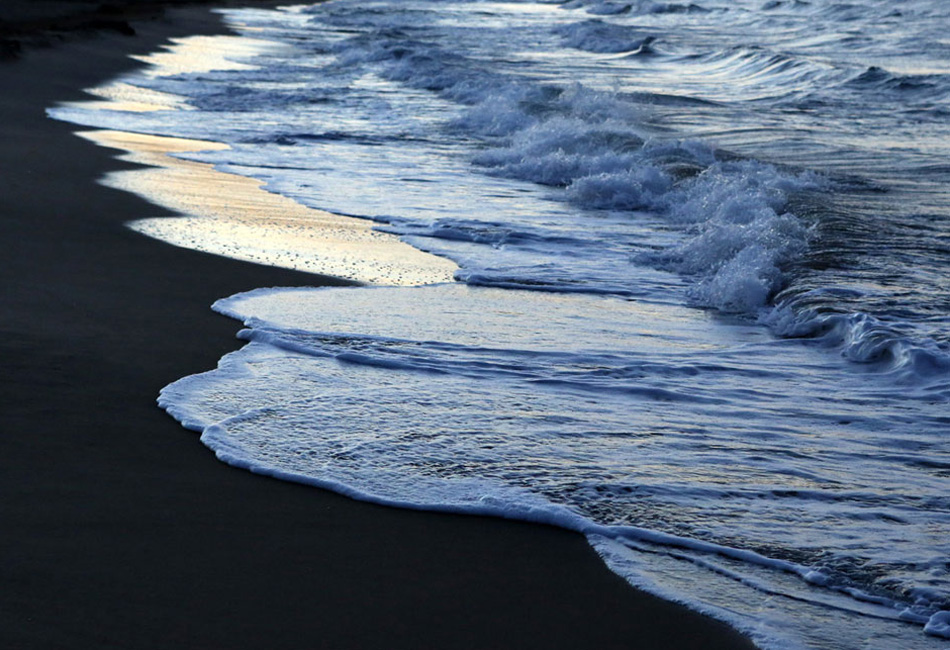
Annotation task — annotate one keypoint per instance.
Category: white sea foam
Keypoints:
(586, 423)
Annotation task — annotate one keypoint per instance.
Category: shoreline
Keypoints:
(223, 215)
(119, 529)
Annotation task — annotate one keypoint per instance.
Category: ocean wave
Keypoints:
(862, 338)
(602, 37)
(637, 7)
(757, 73)
(511, 403)
(738, 236)
(918, 86)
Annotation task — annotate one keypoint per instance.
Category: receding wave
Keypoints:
(510, 388)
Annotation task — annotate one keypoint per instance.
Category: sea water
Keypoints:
(702, 306)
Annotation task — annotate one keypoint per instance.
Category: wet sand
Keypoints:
(119, 529)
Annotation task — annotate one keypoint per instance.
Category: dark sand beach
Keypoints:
(119, 529)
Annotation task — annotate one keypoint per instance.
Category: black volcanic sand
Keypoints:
(119, 529)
